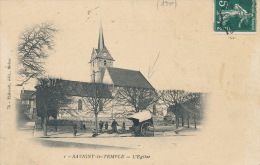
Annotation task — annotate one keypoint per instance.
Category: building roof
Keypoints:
(101, 52)
(84, 89)
(128, 78)
(141, 116)
(27, 94)
(101, 42)
(102, 74)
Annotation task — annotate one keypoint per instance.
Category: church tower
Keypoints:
(100, 59)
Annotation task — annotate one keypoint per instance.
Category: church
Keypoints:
(102, 72)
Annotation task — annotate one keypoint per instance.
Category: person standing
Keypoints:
(114, 126)
(101, 124)
(75, 129)
(81, 125)
(123, 127)
(106, 126)
(84, 125)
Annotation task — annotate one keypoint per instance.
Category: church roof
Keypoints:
(101, 42)
(128, 78)
(102, 73)
(84, 89)
(104, 54)
(101, 52)
(27, 94)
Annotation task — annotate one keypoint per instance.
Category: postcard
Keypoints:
(130, 82)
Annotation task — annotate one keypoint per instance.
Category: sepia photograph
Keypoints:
(129, 82)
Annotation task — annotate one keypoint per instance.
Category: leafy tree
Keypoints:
(50, 96)
(36, 44)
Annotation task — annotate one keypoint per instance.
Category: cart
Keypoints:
(142, 124)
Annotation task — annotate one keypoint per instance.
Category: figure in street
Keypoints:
(75, 129)
(123, 127)
(101, 124)
(106, 125)
(84, 125)
(114, 126)
(81, 125)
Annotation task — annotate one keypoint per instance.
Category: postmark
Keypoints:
(235, 16)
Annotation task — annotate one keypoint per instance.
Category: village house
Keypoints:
(27, 102)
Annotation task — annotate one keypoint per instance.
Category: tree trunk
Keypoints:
(195, 123)
(188, 120)
(96, 123)
(56, 125)
(45, 126)
(182, 121)
(177, 122)
(42, 121)
(45, 120)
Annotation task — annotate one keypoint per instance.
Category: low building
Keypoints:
(27, 102)
(73, 100)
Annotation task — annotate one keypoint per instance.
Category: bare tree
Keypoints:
(100, 100)
(138, 98)
(194, 108)
(172, 99)
(182, 104)
(36, 44)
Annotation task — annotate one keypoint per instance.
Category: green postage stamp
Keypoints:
(235, 16)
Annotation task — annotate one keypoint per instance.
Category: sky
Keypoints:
(190, 55)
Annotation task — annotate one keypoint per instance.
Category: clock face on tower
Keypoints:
(104, 54)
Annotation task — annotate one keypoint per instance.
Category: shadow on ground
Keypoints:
(61, 144)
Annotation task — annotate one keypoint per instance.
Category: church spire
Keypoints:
(101, 43)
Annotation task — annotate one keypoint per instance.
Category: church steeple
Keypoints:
(101, 43)
(100, 59)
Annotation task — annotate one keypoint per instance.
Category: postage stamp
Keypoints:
(235, 16)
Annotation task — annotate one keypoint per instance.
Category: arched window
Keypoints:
(79, 105)
(105, 63)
